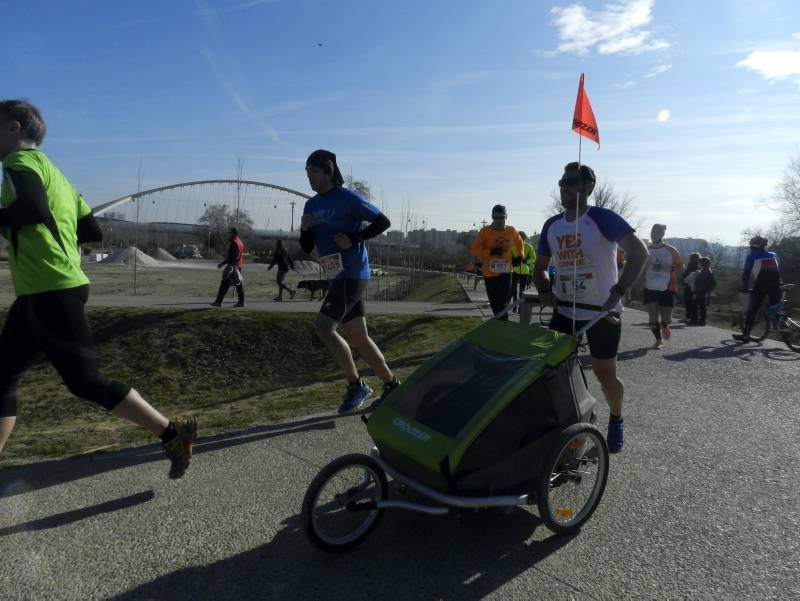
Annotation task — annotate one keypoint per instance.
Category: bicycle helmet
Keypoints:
(758, 242)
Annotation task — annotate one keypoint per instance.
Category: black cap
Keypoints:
(499, 209)
(326, 160)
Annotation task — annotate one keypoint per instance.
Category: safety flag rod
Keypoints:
(585, 125)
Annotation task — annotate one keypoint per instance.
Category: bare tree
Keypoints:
(604, 196)
(220, 219)
(789, 196)
(359, 187)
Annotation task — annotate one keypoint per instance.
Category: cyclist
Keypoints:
(333, 222)
(586, 268)
(660, 283)
(44, 220)
(499, 248)
(761, 278)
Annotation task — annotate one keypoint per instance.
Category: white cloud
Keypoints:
(615, 29)
(663, 116)
(796, 36)
(773, 65)
(658, 70)
(625, 85)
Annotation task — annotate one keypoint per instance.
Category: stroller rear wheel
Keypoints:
(574, 478)
(340, 507)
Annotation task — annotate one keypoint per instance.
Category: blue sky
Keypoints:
(444, 107)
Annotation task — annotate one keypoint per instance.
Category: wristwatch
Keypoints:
(617, 289)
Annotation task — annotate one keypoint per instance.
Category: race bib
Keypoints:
(499, 266)
(331, 265)
(583, 286)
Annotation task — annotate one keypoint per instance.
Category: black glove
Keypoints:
(516, 261)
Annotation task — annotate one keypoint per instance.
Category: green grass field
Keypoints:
(231, 370)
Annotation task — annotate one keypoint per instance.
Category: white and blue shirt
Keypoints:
(586, 266)
(340, 211)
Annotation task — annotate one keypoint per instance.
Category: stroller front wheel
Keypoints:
(340, 506)
(573, 479)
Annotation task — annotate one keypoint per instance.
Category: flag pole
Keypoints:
(577, 233)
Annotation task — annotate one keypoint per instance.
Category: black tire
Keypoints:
(350, 505)
(579, 448)
(791, 334)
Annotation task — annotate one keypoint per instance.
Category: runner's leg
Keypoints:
(325, 328)
(357, 334)
(652, 316)
(613, 389)
(18, 350)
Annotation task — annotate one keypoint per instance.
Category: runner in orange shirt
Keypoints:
(499, 247)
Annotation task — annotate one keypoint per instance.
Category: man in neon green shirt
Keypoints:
(521, 270)
(44, 220)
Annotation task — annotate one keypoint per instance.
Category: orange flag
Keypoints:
(583, 122)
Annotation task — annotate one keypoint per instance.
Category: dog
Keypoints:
(313, 285)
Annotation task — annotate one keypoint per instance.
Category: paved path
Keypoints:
(702, 504)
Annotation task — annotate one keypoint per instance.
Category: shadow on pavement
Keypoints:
(26, 478)
(407, 557)
(67, 517)
(736, 350)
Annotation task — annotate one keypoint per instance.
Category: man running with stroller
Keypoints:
(761, 279)
(44, 220)
(587, 280)
(333, 222)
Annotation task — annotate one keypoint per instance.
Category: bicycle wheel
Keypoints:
(339, 508)
(574, 478)
(790, 329)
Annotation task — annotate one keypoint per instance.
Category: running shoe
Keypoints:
(216, 304)
(741, 337)
(616, 435)
(659, 343)
(357, 393)
(387, 388)
(239, 304)
(665, 333)
(179, 449)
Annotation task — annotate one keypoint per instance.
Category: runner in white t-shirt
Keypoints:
(587, 278)
(660, 283)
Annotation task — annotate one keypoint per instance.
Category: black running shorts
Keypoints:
(603, 337)
(345, 300)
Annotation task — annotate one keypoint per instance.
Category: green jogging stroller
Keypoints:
(499, 418)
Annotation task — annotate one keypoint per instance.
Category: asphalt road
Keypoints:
(701, 504)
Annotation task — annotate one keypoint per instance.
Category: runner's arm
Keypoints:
(540, 277)
(379, 225)
(635, 259)
(30, 205)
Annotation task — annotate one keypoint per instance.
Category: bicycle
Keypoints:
(775, 317)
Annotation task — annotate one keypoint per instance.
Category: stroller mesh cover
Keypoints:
(478, 401)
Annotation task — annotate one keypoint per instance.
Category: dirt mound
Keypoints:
(126, 256)
(163, 255)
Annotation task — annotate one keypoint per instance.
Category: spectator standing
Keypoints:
(688, 295)
(704, 283)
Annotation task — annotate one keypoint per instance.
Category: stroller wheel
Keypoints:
(340, 506)
(574, 478)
